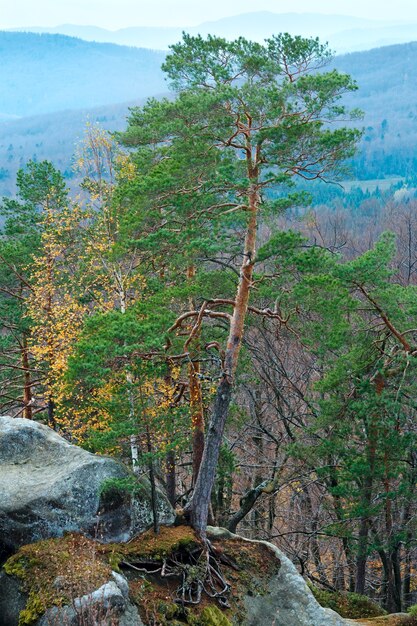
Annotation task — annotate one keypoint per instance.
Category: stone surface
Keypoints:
(289, 601)
(122, 516)
(107, 606)
(12, 600)
(48, 486)
(394, 619)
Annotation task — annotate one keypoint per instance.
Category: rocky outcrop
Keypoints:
(288, 600)
(265, 587)
(48, 486)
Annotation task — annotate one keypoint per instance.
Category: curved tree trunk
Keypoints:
(199, 504)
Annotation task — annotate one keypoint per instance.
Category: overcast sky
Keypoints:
(115, 14)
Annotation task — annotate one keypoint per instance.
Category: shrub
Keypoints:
(349, 605)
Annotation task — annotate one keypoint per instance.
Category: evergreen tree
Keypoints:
(253, 117)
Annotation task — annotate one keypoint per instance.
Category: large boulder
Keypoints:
(287, 599)
(13, 600)
(49, 486)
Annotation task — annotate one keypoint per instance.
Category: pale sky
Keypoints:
(114, 14)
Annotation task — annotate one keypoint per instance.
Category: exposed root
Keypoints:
(198, 570)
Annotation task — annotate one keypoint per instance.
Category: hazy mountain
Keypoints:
(154, 38)
(366, 38)
(46, 73)
(257, 25)
(387, 94)
(53, 136)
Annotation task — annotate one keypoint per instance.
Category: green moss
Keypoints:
(34, 608)
(212, 616)
(17, 565)
(156, 547)
(114, 559)
(349, 605)
(169, 610)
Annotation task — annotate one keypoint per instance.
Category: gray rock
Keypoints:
(130, 617)
(289, 601)
(108, 597)
(49, 486)
(12, 600)
(105, 606)
(122, 584)
(392, 618)
(123, 516)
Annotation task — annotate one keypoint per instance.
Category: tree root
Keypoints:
(199, 572)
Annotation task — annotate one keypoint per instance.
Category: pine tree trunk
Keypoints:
(197, 416)
(202, 492)
(199, 504)
(196, 396)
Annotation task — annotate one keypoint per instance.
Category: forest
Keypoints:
(189, 312)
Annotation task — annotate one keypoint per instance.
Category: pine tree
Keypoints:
(248, 117)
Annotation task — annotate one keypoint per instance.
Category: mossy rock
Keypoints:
(157, 547)
(246, 566)
(348, 605)
(54, 571)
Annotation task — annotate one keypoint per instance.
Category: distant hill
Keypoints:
(387, 94)
(344, 32)
(53, 137)
(47, 73)
(357, 39)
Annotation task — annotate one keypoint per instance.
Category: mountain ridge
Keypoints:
(43, 73)
(256, 25)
